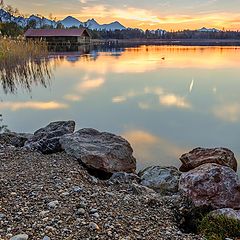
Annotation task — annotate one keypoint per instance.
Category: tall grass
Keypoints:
(23, 63)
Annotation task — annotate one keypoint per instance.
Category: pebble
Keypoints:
(93, 210)
(19, 237)
(2, 216)
(46, 238)
(81, 211)
(77, 189)
(94, 226)
(53, 204)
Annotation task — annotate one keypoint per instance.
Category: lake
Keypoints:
(165, 100)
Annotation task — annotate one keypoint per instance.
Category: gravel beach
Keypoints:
(54, 197)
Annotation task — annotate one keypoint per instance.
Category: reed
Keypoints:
(18, 50)
(23, 63)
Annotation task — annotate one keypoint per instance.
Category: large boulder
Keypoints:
(164, 180)
(200, 156)
(46, 140)
(14, 139)
(100, 151)
(227, 212)
(212, 185)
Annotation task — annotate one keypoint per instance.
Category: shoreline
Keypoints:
(167, 42)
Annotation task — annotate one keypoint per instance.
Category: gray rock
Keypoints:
(163, 180)
(46, 140)
(46, 238)
(212, 185)
(2, 216)
(19, 237)
(123, 177)
(100, 151)
(53, 204)
(200, 156)
(227, 212)
(14, 139)
(141, 190)
(77, 189)
(81, 211)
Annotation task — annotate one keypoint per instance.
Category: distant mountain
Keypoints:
(71, 22)
(92, 24)
(208, 30)
(66, 22)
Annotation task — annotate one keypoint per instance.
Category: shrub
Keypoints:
(219, 227)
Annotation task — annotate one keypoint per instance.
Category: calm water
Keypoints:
(164, 100)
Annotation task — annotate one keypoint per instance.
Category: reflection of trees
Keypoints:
(24, 74)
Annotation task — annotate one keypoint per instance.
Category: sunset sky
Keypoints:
(145, 14)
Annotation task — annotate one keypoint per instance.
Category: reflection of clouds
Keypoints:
(171, 100)
(72, 97)
(166, 99)
(149, 58)
(89, 84)
(119, 99)
(228, 112)
(15, 106)
(150, 148)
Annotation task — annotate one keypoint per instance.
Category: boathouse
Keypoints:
(59, 36)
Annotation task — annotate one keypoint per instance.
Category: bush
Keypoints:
(219, 227)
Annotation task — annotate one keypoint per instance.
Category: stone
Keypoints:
(123, 177)
(19, 237)
(200, 156)
(15, 139)
(46, 238)
(81, 211)
(100, 151)
(2, 216)
(227, 212)
(53, 204)
(77, 189)
(94, 226)
(212, 185)
(141, 190)
(163, 180)
(46, 140)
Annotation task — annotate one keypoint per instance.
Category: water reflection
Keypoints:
(24, 74)
(165, 100)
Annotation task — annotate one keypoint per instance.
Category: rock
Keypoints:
(200, 156)
(94, 226)
(53, 204)
(77, 189)
(81, 211)
(46, 238)
(212, 185)
(139, 189)
(163, 180)
(227, 212)
(100, 151)
(14, 139)
(46, 140)
(2, 216)
(19, 237)
(123, 177)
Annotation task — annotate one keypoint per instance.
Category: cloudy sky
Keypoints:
(146, 14)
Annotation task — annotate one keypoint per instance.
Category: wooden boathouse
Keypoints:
(59, 36)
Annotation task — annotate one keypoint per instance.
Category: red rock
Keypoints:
(212, 185)
(200, 156)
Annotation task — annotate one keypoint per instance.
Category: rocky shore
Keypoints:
(59, 183)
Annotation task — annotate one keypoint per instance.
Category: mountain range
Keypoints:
(66, 22)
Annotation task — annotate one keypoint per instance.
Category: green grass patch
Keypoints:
(219, 227)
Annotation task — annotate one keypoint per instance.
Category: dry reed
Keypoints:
(23, 63)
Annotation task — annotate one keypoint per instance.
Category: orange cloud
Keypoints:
(15, 106)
